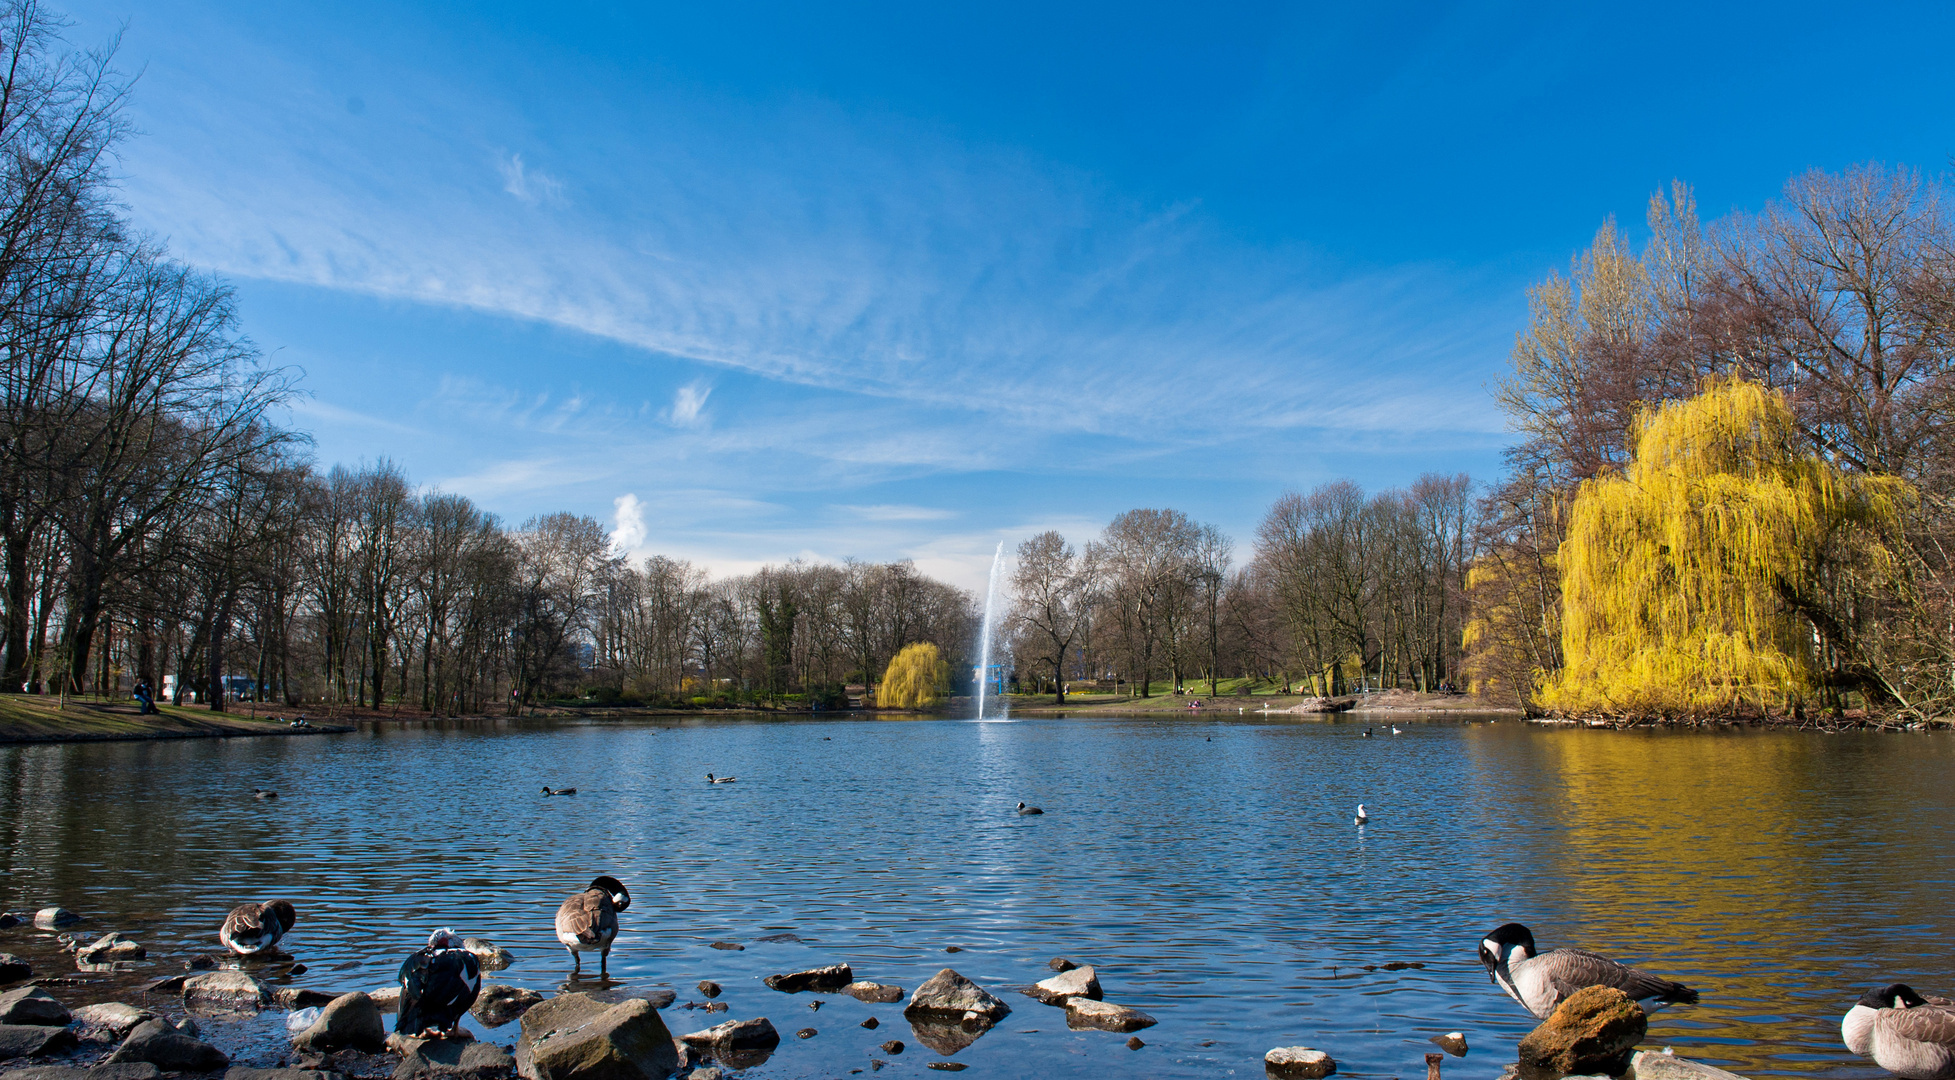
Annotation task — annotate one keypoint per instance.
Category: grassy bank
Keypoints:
(26, 718)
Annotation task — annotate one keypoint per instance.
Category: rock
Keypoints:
(874, 992)
(1649, 1065)
(464, 1058)
(946, 1036)
(168, 1049)
(946, 1066)
(298, 997)
(230, 991)
(8, 920)
(13, 968)
(1135, 1043)
(953, 948)
(706, 1074)
(296, 970)
(565, 1012)
(33, 1005)
(109, 948)
(729, 946)
(388, 998)
(627, 1041)
(497, 1004)
(1084, 1012)
(1595, 1030)
(806, 1033)
(756, 1034)
(350, 1021)
(239, 1073)
(353, 1063)
(893, 1047)
(134, 1070)
(709, 988)
(948, 993)
(1068, 984)
(407, 1044)
(1060, 963)
(778, 939)
(33, 1040)
(168, 984)
(200, 962)
(188, 1027)
(110, 1022)
(1453, 1042)
(872, 1023)
(832, 977)
(491, 956)
(1298, 1063)
(53, 918)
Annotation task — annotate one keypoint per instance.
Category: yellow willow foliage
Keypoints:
(917, 679)
(1672, 572)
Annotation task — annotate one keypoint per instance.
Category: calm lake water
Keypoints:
(1208, 867)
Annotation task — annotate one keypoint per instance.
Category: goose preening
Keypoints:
(1023, 809)
(1362, 816)
(548, 790)
(1541, 980)
(261, 793)
(1903, 1032)
(1395, 730)
(711, 779)
(438, 984)
(252, 928)
(589, 921)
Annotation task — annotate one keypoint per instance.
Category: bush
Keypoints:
(918, 678)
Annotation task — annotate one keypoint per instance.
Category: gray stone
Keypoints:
(1084, 1012)
(874, 992)
(168, 1049)
(168, 984)
(832, 977)
(351, 1063)
(497, 1004)
(1068, 984)
(565, 1012)
(736, 1035)
(13, 968)
(350, 1021)
(30, 1040)
(111, 1021)
(189, 1027)
(706, 1074)
(461, 1058)
(33, 1005)
(387, 997)
(1298, 1063)
(54, 918)
(947, 1036)
(239, 1073)
(949, 994)
(491, 956)
(1649, 1065)
(230, 991)
(627, 1041)
(109, 948)
(134, 1070)
(299, 997)
(1060, 963)
(1135, 1043)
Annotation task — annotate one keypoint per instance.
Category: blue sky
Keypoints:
(763, 281)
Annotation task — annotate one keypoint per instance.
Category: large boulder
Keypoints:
(1594, 1031)
(54, 918)
(1084, 1012)
(462, 1059)
(626, 1041)
(109, 948)
(1298, 1063)
(130, 1070)
(497, 1004)
(33, 1005)
(349, 1021)
(13, 968)
(874, 992)
(226, 991)
(109, 1022)
(948, 994)
(33, 1040)
(1067, 985)
(168, 1049)
(832, 977)
(565, 1012)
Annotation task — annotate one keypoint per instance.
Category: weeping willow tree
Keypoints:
(1692, 579)
(917, 678)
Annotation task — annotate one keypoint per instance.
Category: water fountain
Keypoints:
(984, 638)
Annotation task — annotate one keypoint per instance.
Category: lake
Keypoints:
(1208, 867)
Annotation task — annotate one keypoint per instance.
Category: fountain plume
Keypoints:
(985, 635)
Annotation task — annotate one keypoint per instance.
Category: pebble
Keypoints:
(946, 1066)
(954, 948)
(1060, 963)
(805, 1033)
(729, 946)
(709, 988)
(1135, 1043)
(893, 1047)
(872, 1023)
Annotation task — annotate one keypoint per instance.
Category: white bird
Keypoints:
(1362, 816)
(1395, 730)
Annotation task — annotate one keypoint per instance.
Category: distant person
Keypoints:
(145, 699)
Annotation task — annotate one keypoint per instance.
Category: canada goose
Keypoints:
(589, 921)
(1367, 733)
(1362, 816)
(711, 779)
(1540, 981)
(1023, 809)
(252, 928)
(261, 793)
(548, 790)
(438, 984)
(1905, 1033)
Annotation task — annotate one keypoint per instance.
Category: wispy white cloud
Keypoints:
(890, 512)
(527, 184)
(688, 401)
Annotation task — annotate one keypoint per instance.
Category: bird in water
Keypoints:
(1023, 809)
(1367, 733)
(252, 928)
(1903, 1032)
(438, 984)
(711, 779)
(589, 921)
(1395, 730)
(548, 790)
(1542, 980)
(1362, 816)
(261, 793)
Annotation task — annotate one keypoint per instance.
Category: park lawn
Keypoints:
(34, 718)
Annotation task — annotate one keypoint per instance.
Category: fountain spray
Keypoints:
(984, 639)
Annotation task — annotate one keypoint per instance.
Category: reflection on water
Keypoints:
(1208, 868)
